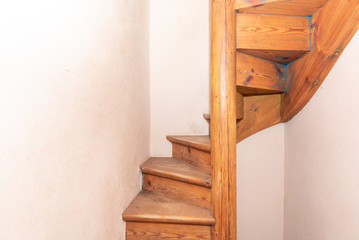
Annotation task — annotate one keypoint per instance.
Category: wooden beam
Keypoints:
(286, 7)
(260, 112)
(333, 27)
(273, 32)
(223, 119)
(253, 72)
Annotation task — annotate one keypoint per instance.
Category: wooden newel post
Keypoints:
(223, 119)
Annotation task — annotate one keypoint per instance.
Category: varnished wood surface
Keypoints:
(199, 142)
(160, 231)
(260, 112)
(150, 207)
(279, 56)
(239, 105)
(287, 7)
(176, 169)
(184, 192)
(223, 119)
(272, 32)
(254, 91)
(253, 72)
(197, 158)
(333, 27)
(252, 3)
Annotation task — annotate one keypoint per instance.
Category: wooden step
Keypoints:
(176, 169)
(150, 207)
(193, 156)
(278, 56)
(277, 38)
(255, 74)
(160, 231)
(260, 112)
(281, 7)
(198, 142)
(177, 190)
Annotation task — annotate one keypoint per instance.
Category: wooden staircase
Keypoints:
(268, 59)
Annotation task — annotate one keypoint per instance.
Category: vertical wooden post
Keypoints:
(223, 119)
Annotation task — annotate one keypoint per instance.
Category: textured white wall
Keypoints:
(260, 176)
(179, 59)
(322, 158)
(74, 105)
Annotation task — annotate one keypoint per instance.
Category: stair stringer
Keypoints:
(333, 26)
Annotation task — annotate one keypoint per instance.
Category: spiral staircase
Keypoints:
(269, 57)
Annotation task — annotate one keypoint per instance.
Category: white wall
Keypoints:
(322, 158)
(74, 124)
(260, 176)
(179, 59)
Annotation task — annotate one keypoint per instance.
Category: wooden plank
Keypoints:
(254, 91)
(252, 3)
(150, 207)
(197, 158)
(184, 192)
(199, 142)
(260, 112)
(285, 7)
(333, 27)
(239, 105)
(160, 231)
(273, 32)
(176, 169)
(223, 119)
(253, 72)
(279, 56)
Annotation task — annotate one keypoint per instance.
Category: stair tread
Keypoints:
(201, 142)
(176, 169)
(150, 207)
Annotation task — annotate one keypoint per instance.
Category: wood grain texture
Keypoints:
(223, 119)
(254, 91)
(150, 207)
(160, 231)
(197, 158)
(253, 72)
(176, 169)
(239, 105)
(287, 7)
(199, 142)
(252, 3)
(260, 112)
(333, 27)
(273, 32)
(184, 192)
(279, 56)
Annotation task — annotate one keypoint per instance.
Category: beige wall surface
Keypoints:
(260, 176)
(179, 57)
(74, 105)
(322, 158)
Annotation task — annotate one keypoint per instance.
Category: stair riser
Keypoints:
(253, 72)
(184, 192)
(278, 38)
(159, 231)
(195, 157)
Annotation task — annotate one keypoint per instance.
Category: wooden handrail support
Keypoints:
(223, 119)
